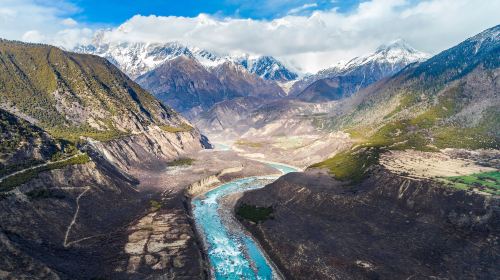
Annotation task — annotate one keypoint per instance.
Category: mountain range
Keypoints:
(332, 84)
(345, 79)
(101, 152)
(136, 59)
(193, 80)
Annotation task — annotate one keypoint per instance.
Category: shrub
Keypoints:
(181, 161)
(15, 180)
(155, 205)
(184, 127)
(254, 213)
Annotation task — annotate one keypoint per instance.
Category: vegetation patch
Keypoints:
(18, 179)
(184, 127)
(254, 213)
(73, 134)
(249, 144)
(488, 182)
(154, 205)
(351, 165)
(181, 162)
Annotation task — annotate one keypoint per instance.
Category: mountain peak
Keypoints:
(398, 44)
(269, 68)
(489, 38)
(490, 33)
(397, 52)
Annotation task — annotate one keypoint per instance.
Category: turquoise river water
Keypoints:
(232, 253)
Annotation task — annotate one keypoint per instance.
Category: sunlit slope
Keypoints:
(451, 100)
(71, 94)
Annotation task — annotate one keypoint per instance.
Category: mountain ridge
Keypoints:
(357, 73)
(138, 58)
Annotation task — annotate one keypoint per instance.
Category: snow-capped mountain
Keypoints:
(385, 61)
(135, 59)
(268, 68)
(390, 58)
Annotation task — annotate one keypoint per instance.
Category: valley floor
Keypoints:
(163, 242)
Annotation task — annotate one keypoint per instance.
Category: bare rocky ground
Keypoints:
(299, 150)
(447, 163)
(162, 244)
(386, 227)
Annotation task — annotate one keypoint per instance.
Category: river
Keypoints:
(232, 252)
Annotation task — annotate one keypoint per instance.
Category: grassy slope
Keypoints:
(488, 182)
(35, 78)
(429, 97)
(61, 92)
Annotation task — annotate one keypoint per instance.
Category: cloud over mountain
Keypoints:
(307, 42)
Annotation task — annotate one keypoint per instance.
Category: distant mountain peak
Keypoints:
(488, 38)
(397, 52)
(398, 44)
(269, 68)
(365, 70)
(488, 34)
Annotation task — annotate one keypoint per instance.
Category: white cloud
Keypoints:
(33, 36)
(309, 42)
(323, 38)
(41, 22)
(302, 8)
(69, 22)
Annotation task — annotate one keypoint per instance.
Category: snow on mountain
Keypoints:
(269, 68)
(385, 61)
(395, 55)
(485, 39)
(136, 59)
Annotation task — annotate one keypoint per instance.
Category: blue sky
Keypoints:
(114, 12)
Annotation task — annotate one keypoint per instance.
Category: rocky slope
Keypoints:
(84, 128)
(260, 117)
(387, 227)
(23, 144)
(189, 87)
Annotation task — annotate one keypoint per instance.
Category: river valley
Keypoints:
(232, 252)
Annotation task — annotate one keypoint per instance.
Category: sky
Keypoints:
(305, 35)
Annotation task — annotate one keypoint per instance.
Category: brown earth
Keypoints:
(387, 227)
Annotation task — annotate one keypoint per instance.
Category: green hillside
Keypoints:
(446, 102)
(72, 95)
